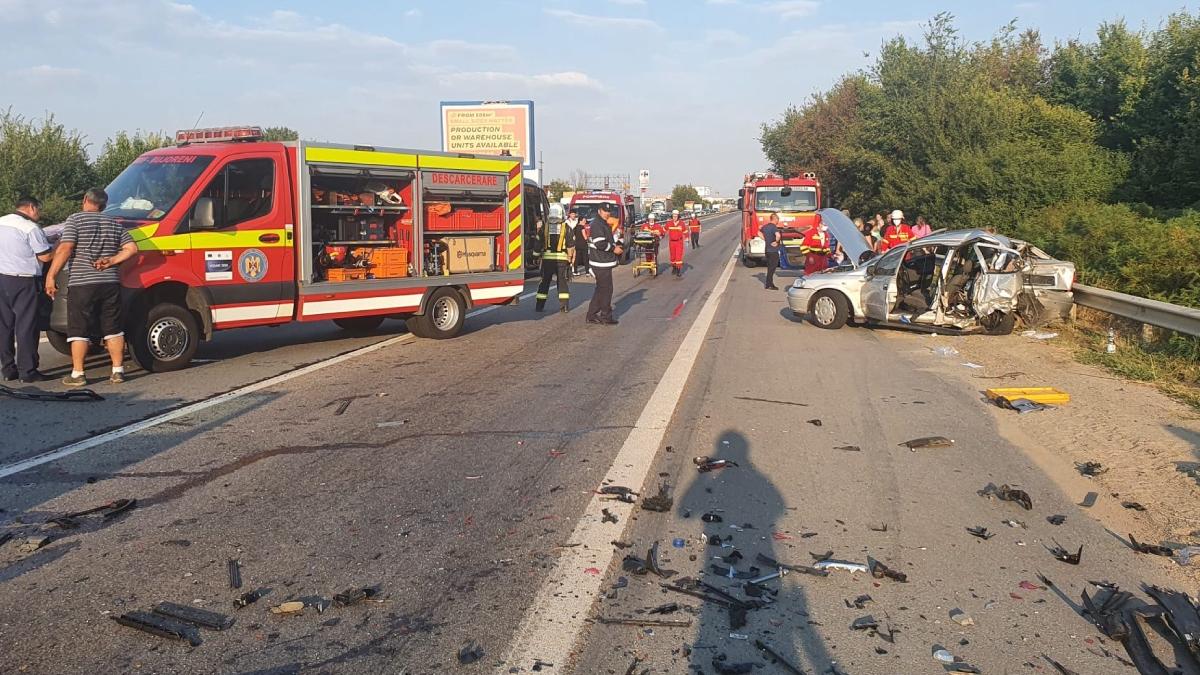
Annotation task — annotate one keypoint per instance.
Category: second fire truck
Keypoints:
(795, 199)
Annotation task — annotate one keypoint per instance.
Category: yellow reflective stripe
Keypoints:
(514, 245)
(343, 156)
(468, 163)
(514, 182)
(212, 240)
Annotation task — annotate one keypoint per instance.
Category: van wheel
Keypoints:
(59, 342)
(359, 324)
(999, 323)
(166, 339)
(443, 318)
(828, 309)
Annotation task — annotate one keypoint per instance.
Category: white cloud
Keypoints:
(723, 2)
(628, 2)
(602, 21)
(791, 9)
(723, 37)
(566, 79)
(413, 13)
(46, 73)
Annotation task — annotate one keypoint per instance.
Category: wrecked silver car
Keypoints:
(961, 281)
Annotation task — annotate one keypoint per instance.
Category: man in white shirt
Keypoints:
(23, 249)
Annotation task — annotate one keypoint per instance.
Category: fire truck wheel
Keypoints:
(59, 342)
(749, 262)
(166, 339)
(443, 318)
(359, 324)
(828, 309)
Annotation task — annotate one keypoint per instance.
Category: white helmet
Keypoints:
(675, 212)
(897, 215)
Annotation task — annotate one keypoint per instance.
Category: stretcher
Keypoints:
(645, 253)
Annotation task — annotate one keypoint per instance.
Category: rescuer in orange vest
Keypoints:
(694, 226)
(676, 230)
(815, 248)
(896, 234)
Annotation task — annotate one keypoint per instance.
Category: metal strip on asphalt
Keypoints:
(552, 624)
(189, 409)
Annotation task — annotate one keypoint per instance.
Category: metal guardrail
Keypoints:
(1161, 314)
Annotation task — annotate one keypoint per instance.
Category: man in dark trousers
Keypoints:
(23, 249)
(694, 227)
(770, 235)
(603, 253)
(556, 247)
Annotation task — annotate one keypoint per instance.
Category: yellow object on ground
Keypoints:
(1046, 395)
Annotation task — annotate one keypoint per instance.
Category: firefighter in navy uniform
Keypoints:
(555, 245)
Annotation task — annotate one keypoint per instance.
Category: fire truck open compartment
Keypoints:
(463, 222)
(362, 222)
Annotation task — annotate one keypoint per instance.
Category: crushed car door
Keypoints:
(999, 281)
(879, 291)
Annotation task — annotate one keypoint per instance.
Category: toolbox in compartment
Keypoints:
(345, 273)
(389, 263)
(473, 218)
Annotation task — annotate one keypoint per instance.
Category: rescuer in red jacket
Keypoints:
(896, 234)
(815, 248)
(676, 232)
(694, 227)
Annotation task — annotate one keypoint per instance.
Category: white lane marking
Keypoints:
(553, 622)
(87, 444)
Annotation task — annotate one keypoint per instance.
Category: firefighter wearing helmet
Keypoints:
(676, 231)
(898, 233)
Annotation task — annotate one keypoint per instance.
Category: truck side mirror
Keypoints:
(741, 192)
(741, 203)
(203, 217)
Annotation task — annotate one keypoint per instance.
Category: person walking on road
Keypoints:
(694, 226)
(23, 249)
(770, 235)
(603, 253)
(676, 231)
(556, 247)
(95, 245)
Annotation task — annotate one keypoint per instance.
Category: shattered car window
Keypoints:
(999, 260)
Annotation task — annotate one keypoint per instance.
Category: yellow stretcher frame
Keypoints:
(643, 264)
(1045, 395)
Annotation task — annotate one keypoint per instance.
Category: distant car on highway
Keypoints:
(959, 281)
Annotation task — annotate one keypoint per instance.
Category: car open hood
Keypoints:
(843, 229)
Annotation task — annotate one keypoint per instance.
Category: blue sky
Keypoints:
(677, 87)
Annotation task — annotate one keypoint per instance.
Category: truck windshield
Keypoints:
(150, 187)
(772, 199)
(588, 211)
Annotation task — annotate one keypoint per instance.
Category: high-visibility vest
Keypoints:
(555, 245)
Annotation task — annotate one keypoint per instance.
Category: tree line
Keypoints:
(1087, 148)
(44, 159)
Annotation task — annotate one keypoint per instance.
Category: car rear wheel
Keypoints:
(828, 309)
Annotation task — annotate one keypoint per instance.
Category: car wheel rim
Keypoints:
(445, 314)
(168, 339)
(824, 310)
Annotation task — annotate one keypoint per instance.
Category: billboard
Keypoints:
(489, 128)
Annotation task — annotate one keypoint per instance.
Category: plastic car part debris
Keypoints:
(814, 422)
(769, 576)
(652, 563)
(618, 490)
(1090, 469)
(4, 537)
(665, 623)
(353, 596)
(1030, 586)
(803, 569)
(951, 662)
(881, 571)
(714, 540)
(712, 518)
(249, 598)
(733, 572)
(1151, 549)
(159, 626)
(712, 464)
(666, 608)
(1007, 494)
(621, 545)
(697, 594)
(842, 565)
(1063, 670)
(860, 602)
(1183, 556)
(1021, 405)
(981, 532)
(620, 583)
(961, 618)
(660, 502)
(928, 442)
(608, 516)
(633, 666)
(1015, 524)
(1133, 506)
(864, 623)
(293, 607)
(1108, 616)
(539, 664)
(235, 573)
(733, 557)
(1056, 519)
(1180, 616)
(848, 448)
(470, 653)
(74, 395)
(634, 565)
(106, 511)
(1089, 500)
(739, 636)
(881, 528)
(737, 617)
(1064, 555)
(779, 660)
(32, 544)
(723, 668)
(194, 615)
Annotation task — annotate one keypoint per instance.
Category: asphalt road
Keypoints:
(457, 472)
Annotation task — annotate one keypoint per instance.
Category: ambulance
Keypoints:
(233, 231)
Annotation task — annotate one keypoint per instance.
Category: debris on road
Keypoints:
(32, 544)
(470, 653)
(828, 564)
(1090, 469)
(951, 662)
(607, 516)
(704, 464)
(1134, 506)
(724, 668)
(981, 532)
(70, 396)
(354, 596)
(660, 502)
(1030, 586)
(860, 602)
(194, 615)
(1089, 500)
(1039, 335)
(1056, 519)
(712, 518)
(666, 608)
(1021, 405)
(1063, 670)
(1151, 549)
(779, 660)
(294, 607)
(803, 569)
(1007, 494)
(864, 623)
(159, 626)
(1015, 524)
(249, 598)
(665, 623)
(107, 512)
(1064, 555)
(619, 493)
(961, 618)
(849, 448)
(881, 571)
(928, 442)
(814, 422)
(235, 573)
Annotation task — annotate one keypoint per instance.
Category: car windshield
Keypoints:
(773, 199)
(150, 187)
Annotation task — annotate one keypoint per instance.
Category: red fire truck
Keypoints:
(235, 231)
(585, 204)
(796, 199)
